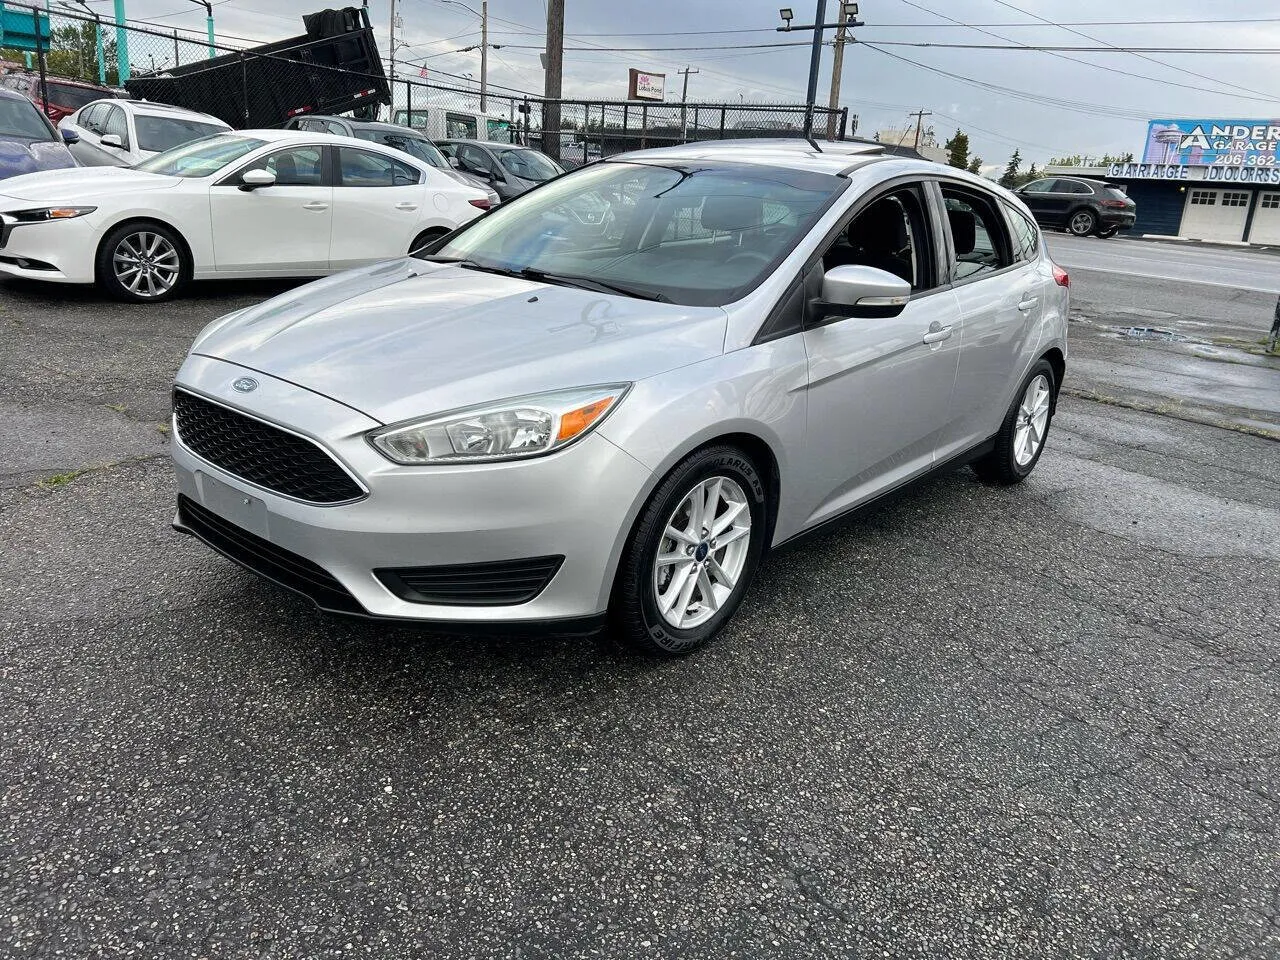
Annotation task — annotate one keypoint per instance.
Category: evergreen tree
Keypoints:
(958, 150)
(975, 165)
(1009, 178)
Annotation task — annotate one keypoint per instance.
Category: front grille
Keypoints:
(260, 453)
(502, 583)
(266, 559)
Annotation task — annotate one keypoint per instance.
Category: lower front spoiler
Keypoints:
(310, 580)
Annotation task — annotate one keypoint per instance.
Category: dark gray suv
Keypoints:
(507, 168)
(1080, 205)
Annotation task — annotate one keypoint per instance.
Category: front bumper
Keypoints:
(61, 251)
(578, 503)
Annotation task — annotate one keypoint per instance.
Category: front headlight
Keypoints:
(507, 430)
(49, 213)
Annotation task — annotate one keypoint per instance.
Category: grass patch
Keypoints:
(60, 479)
(117, 407)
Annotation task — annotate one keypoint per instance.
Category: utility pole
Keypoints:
(684, 99)
(848, 18)
(552, 85)
(837, 67)
(391, 45)
(484, 54)
(919, 115)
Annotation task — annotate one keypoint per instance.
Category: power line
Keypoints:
(1061, 56)
(1169, 66)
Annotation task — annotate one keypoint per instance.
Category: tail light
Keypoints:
(1115, 204)
(1060, 276)
(482, 204)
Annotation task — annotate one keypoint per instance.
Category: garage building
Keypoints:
(1202, 180)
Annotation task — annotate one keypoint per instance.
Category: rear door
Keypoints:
(880, 389)
(378, 204)
(999, 291)
(276, 229)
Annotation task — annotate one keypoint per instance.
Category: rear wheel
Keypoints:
(142, 262)
(1082, 223)
(693, 553)
(424, 238)
(1024, 431)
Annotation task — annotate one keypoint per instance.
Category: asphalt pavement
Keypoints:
(1029, 722)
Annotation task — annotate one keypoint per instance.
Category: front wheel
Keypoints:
(1024, 431)
(143, 263)
(693, 553)
(1082, 223)
(1108, 232)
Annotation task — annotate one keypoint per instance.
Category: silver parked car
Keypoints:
(611, 396)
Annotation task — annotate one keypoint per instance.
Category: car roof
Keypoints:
(276, 135)
(67, 81)
(832, 157)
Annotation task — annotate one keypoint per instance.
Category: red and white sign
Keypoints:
(646, 86)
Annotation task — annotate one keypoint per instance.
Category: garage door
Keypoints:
(1215, 214)
(1266, 220)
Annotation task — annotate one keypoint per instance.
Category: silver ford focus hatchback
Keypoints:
(605, 400)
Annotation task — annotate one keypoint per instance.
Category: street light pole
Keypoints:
(484, 55)
(122, 45)
(208, 22)
(848, 18)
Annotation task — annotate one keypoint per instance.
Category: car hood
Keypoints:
(408, 338)
(82, 183)
(20, 156)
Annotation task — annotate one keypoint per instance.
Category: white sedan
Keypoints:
(255, 203)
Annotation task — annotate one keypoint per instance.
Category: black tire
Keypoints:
(1001, 465)
(634, 611)
(1082, 222)
(137, 236)
(424, 238)
(1108, 232)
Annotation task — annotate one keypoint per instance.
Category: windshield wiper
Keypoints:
(559, 279)
(588, 283)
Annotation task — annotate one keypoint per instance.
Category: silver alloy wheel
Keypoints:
(1033, 420)
(702, 553)
(1082, 223)
(146, 264)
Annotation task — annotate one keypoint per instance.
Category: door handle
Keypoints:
(315, 205)
(1027, 303)
(937, 336)
(406, 205)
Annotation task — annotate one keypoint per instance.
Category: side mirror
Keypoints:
(860, 291)
(113, 140)
(253, 179)
(453, 162)
(70, 136)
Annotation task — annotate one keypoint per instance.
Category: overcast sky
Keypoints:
(1090, 109)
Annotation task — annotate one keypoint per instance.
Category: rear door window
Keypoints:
(1026, 238)
(980, 243)
(363, 168)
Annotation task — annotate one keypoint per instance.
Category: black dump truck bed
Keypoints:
(332, 68)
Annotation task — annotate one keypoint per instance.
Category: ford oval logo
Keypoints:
(245, 384)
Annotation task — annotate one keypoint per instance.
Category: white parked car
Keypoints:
(120, 133)
(255, 203)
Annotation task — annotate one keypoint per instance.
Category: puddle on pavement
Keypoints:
(1152, 333)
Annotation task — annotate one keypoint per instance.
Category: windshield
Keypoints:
(165, 133)
(528, 165)
(65, 95)
(21, 119)
(201, 158)
(700, 237)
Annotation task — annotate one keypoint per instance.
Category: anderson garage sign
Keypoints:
(1230, 151)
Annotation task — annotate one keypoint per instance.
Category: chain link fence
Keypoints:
(334, 67)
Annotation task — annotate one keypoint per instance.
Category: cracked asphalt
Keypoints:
(984, 723)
